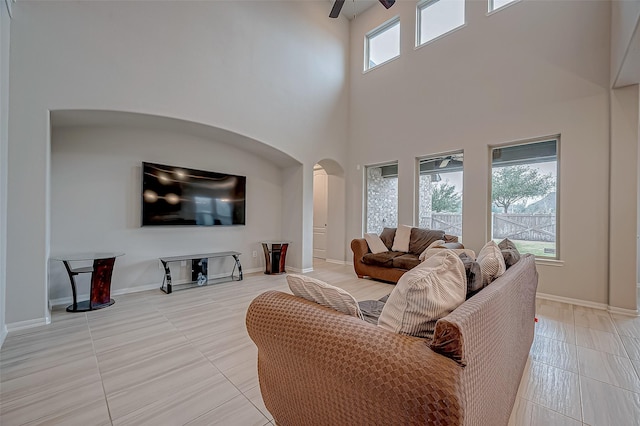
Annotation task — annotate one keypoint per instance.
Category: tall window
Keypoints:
(437, 17)
(382, 44)
(524, 196)
(440, 193)
(382, 197)
(497, 4)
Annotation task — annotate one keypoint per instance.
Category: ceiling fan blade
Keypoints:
(387, 3)
(337, 7)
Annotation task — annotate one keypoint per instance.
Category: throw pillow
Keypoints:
(491, 262)
(510, 252)
(431, 251)
(401, 240)
(375, 243)
(387, 235)
(434, 244)
(324, 294)
(473, 272)
(425, 294)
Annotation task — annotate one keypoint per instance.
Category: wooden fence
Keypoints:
(528, 227)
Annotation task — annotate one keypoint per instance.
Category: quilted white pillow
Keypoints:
(427, 253)
(324, 294)
(375, 243)
(425, 294)
(401, 240)
(491, 262)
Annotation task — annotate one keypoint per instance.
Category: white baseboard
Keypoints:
(3, 335)
(299, 271)
(21, 325)
(587, 304)
(349, 262)
(252, 270)
(622, 311)
(335, 261)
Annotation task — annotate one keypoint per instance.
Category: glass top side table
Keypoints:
(101, 270)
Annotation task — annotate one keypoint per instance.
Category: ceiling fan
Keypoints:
(337, 6)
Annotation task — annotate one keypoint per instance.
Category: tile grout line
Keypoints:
(573, 314)
(95, 356)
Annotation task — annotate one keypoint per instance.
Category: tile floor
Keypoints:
(186, 359)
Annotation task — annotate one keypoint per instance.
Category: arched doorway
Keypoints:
(320, 211)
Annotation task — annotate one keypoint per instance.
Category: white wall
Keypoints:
(272, 71)
(95, 203)
(532, 69)
(625, 15)
(5, 24)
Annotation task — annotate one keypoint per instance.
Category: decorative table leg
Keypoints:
(72, 278)
(167, 277)
(237, 258)
(267, 258)
(101, 283)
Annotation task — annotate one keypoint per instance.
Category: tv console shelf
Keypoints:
(199, 270)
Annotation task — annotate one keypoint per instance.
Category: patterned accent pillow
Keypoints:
(509, 252)
(401, 240)
(375, 243)
(491, 262)
(325, 294)
(425, 294)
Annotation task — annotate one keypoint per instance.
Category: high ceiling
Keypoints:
(353, 8)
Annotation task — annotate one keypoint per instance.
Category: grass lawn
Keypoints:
(535, 247)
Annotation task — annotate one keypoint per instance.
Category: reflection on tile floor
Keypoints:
(186, 358)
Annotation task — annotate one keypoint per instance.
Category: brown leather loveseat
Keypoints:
(391, 265)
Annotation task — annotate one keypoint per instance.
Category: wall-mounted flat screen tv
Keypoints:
(180, 196)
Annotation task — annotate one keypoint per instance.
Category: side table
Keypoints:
(275, 253)
(100, 291)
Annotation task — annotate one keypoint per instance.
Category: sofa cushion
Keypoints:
(491, 262)
(421, 239)
(425, 294)
(402, 238)
(387, 235)
(325, 294)
(383, 259)
(375, 243)
(473, 272)
(405, 261)
(510, 252)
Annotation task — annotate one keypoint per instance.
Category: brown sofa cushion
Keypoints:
(421, 238)
(387, 235)
(406, 261)
(381, 259)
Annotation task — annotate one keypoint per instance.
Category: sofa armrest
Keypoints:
(319, 366)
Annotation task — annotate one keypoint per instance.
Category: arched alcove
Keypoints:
(95, 193)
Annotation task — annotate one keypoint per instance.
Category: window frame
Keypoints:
(416, 202)
(555, 260)
(491, 9)
(423, 4)
(365, 192)
(380, 29)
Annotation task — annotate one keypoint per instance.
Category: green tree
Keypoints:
(514, 183)
(444, 198)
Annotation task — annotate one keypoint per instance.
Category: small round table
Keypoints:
(100, 292)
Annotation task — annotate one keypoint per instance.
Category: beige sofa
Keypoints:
(390, 266)
(317, 366)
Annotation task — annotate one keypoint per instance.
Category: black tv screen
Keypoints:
(180, 196)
